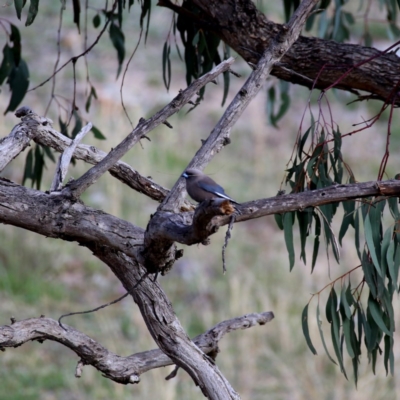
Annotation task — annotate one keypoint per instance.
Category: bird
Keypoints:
(201, 187)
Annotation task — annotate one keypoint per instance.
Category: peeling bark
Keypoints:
(310, 61)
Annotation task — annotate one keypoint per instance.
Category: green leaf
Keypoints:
(166, 65)
(118, 40)
(344, 303)
(394, 206)
(28, 170)
(306, 333)
(388, 350)
(348, 218)
(304, 219)
(92, 94)
(63, 127)
(32, 12)
(146, 10)
(38, 168)
(321, 334)
(335, 331)
(370, 242)
(348, 333)
(376, 314)
(302, 142)
(48, 153)
(7, 63)
(19, 83)
(19, 5)
(77, 13)
(384, 249)
(96, 21)
(97, 133)
(227, 76)
(78, 125)
(316, 240)
(15, 38)
(288, 220)
(279, 221)
(369, 273)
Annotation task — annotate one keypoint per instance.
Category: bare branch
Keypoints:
(76, 188)
(65, 158)
(119, 369)
(16, 142)
(43, 133)
(219, 136)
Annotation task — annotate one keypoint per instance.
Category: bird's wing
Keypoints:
(216, 189)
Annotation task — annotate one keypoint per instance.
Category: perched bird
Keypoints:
(201, 187)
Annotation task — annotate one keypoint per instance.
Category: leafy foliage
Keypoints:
(351, 314)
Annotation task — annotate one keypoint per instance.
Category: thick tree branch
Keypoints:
(310, 61)
(52, 216)
(16, 142)
(119, 369)
(76, 188)
(165, 327)
(161, 249)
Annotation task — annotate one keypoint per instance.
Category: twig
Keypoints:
(227, 237)
(76, 188)
(65, 158)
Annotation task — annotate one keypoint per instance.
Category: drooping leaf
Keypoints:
(304, 325)
(370, 242)
(348, 332)
(335, 331)
(97, 133)
(321, 334)
(376, 314)
(344, 302)
(28, 171)
(279, 220)
(146, 10)
(96, 21)
(288, 220)
(48, 153)
(348, 218)
(316, 240)
(19, 83)
(7, 63)
(92, 94)
(118, 40)
(78, 125)
(32, 12)
(15, 38)
(38, 168)
(19, 5)
(76, 5)
(166, 65)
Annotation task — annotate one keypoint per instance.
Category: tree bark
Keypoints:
(310, 62)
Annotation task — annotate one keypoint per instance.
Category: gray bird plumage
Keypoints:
(201, 187)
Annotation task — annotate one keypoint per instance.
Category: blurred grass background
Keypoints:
(51, 277)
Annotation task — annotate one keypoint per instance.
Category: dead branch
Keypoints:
(123, 370)
(76, 188)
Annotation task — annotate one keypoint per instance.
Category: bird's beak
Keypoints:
(185, 175)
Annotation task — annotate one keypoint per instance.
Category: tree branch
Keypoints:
(65, 158)
(311, 62)
(157, 249)
(219, 136)
(76, 188)
(119, 369)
